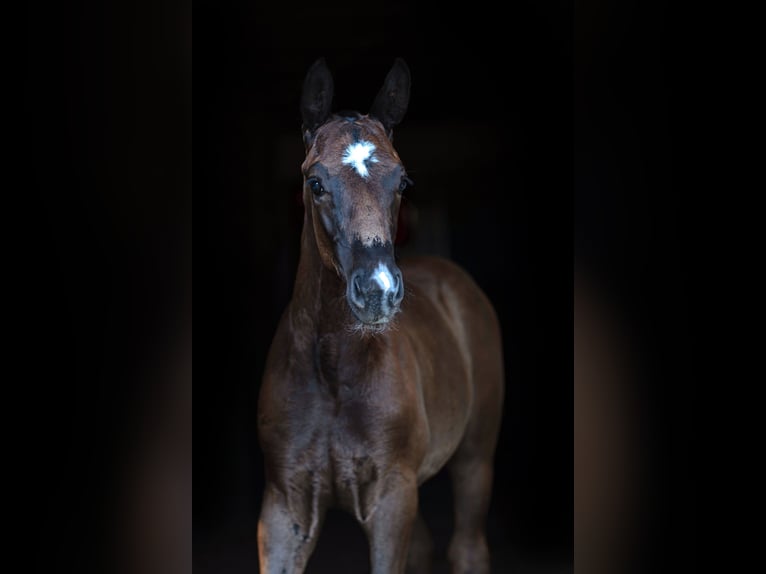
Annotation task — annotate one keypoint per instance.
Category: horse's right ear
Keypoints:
(316, 100)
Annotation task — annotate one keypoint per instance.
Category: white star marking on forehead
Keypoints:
(357, 154)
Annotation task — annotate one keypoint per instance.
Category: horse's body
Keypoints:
(357, 414)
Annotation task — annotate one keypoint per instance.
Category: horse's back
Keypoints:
(449, 288)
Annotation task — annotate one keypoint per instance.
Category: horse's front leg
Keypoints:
(288, 529)
(389, 527)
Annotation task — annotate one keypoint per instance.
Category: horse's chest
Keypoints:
(350, 453)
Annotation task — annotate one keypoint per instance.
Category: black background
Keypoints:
(97, 271)
(641, 201)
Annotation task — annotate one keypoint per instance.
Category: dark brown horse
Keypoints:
(380, 373)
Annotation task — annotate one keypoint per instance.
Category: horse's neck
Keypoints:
(318, 303)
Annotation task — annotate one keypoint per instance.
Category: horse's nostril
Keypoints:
(397, 293)
(357, 294)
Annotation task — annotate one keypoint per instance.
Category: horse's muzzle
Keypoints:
(375, 294)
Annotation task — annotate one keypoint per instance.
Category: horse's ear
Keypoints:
(390, 104)
(316, 100)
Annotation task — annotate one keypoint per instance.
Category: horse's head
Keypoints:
(353, 184)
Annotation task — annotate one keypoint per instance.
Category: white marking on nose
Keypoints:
(357, 154)
(383, 277)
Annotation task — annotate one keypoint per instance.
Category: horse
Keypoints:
(371, 388)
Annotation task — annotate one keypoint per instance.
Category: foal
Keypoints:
(369, 392)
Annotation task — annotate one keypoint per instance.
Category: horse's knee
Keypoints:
(469, 554)
(285, 540)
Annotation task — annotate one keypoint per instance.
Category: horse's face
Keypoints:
(353, 184)
(353, 180)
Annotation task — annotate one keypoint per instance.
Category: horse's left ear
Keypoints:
(390, 104)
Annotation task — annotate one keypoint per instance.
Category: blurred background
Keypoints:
(97, 228)
(488, 142)
(639, 227)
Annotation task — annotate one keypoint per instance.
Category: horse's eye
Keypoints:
(404, 184)
(316, 186)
